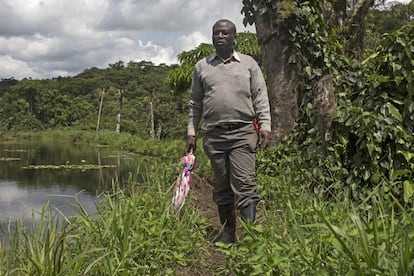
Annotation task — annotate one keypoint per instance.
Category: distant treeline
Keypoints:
(131, 97)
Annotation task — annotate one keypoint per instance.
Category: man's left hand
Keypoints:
(264, 139)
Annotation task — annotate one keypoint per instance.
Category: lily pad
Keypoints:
(9, 159)
(69, 167)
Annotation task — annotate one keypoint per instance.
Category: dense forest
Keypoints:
(337, 184)
(141, 93)
(136, 91)
(350, 102)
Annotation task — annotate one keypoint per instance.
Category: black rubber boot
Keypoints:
(249, 212)
(228, 220)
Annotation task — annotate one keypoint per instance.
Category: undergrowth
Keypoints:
(311, 226)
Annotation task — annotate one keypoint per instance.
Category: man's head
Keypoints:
(224, 36)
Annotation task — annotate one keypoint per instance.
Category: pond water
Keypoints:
(33, 173)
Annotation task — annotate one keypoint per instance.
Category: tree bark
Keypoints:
(339, 12)
(159, 132)
(357, 28)
(282, 96)
(118, 116)
(151, 114)
(100, 110)
(325, 104)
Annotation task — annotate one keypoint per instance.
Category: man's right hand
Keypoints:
(190, 144)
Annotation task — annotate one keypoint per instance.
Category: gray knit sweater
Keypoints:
(227, 92)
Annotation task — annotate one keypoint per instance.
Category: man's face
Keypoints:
(223, 36)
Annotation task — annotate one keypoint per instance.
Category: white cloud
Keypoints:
(12, 68)
(190, 41)
(48, 38)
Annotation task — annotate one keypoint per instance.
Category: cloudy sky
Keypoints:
(49, 38)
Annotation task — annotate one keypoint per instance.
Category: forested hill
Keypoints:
(135, 92)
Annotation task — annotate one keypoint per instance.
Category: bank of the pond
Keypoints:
(35, 171)
(122, 141)
(300, 231)
(134, 230)
(161, 150)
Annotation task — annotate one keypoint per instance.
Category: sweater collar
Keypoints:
(214, 56)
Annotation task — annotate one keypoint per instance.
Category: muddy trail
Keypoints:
(201, 198)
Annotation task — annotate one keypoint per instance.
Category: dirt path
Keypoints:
(201, 197)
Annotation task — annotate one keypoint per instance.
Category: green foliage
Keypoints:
(134, 232)
(381, 21)
(304, 233)
(280, 9)
(247, 44)
(74, 102)
(169, 150)
(372, 134)
(337, 205)
(39, 249)
(377, 243)
(311, 42)
(179, 79)
(376, 123)
(305, 226)
(139, 233)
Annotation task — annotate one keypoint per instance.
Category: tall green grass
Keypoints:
(133, 233)
(307, 225)
(304, 233)
(310, 237)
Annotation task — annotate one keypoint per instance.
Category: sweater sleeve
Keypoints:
(195, 105)
(260, 97)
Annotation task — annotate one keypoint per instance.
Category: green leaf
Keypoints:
(408, 189)
(308, 71)
(407, 155)
(398, 173)
(394, 112)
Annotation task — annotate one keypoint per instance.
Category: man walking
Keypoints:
(228, 93)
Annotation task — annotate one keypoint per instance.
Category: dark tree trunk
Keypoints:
(273, 38)
(339, 12)
(357, 29)
(282, 97)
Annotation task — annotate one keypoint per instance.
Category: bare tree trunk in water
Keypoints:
(118, 116)
(100, 110)
(151, 114)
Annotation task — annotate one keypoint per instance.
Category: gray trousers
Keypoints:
(232, 154)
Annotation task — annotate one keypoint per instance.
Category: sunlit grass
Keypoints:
(134, 232)
(300, 231)
(303, 233)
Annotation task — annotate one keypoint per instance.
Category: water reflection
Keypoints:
(17, 202)
(24, 191)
